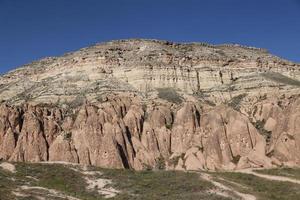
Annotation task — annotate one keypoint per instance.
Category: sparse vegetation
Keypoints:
(77, 102)
(236, 159)
(170, 95)
(134, 185)
(147, 167)
(67, 135)
(157, 185)
(288, 172)
(235, 102)
(279, 78)
(262, 188)
(203, 97)
(160, 163)
(56, 177)
(175, 159)
(146, 185)
(259, 125)
(169, 126)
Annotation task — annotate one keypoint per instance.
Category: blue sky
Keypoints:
(32, 29)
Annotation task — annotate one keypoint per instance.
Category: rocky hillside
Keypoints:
(146, 104)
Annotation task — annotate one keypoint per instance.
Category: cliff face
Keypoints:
(153, 104)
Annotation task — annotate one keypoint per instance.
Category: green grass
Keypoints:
(287, 172)
(166, 185)
(262, 188)
(134, 185)
(56, 177)
(6, 185)
(146, 185)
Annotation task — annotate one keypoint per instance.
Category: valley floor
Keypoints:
(61, 181)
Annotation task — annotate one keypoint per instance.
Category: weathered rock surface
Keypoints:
(127, 134)
(151, 104)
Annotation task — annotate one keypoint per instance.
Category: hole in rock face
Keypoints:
(285, 139)
(105, 155)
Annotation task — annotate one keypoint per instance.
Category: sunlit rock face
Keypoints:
(154, 104)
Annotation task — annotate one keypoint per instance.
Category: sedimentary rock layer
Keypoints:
(122, 132)
(153, 104)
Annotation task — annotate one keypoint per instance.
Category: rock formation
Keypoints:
(144, 104)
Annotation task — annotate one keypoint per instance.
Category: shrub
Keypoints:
(175, 159)
(169, 126)
(236, 101)
(67, 135)
(160, 163)
(236, 159)
(259, 125)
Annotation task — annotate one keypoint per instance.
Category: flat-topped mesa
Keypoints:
(217, 72)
